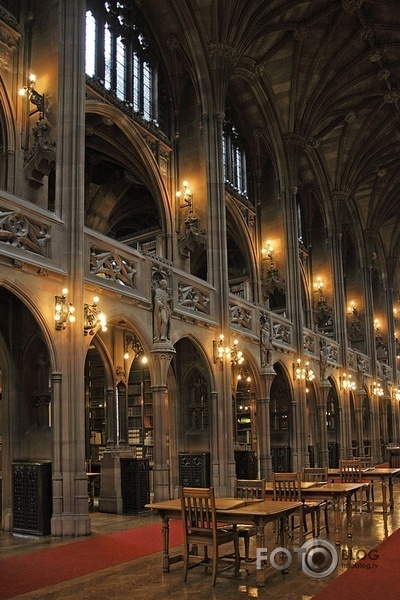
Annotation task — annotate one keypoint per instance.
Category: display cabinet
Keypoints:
(32, 494)
(194, 469)
(135, 485)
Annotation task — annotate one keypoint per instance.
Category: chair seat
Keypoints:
(201, 537)
(249, 530)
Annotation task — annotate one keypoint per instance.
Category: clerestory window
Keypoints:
(117, 54)
(234, 158)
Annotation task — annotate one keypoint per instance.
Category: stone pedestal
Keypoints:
(110, 494)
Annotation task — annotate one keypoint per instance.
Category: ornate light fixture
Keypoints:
(396, 394)
(244, 375)
(132, 343)
(34, 97)
(377, 327)
(269, 251)
(346, 382)
(187, 197)
(63, 311)
(303, 372)
(352, 309)
(93, 317)
(220, 351)
(377, 389)
(318, 285)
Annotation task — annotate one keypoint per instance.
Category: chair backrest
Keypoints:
(198, 510)
(287, 486)
(366, 461)
(314, 474)
(350, 470)
(250, 488)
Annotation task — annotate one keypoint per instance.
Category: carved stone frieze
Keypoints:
(40, 160)
(9, 36)
(193, 298)
(239, 316)
(111, 266)
(352, 5)
(19, 231)
(281, 333)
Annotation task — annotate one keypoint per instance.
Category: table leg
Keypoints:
(338, 518)
(391, 497)
(165, 538)
(260, 541)
(349, 516)
(384, 495)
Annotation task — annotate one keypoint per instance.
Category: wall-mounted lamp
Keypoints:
(396, 394)
(34, 97)
(187, 197)
(377, 327)
(133, 344)
(220, 352)
(346, 382)
(63, 311)
(303, 372)
(377, 389)
(318, 285)
(93, 317)
(352, 309)
(244, 375)
(268, 252)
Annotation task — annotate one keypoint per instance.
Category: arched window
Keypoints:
(234, 158)
(117, 54)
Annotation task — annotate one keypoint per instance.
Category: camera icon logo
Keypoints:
(317, 558)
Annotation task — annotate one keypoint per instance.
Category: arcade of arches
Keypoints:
(228, 192)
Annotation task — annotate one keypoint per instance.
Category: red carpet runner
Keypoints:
(372, 578)
(29, 572)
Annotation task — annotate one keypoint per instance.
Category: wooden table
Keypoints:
(330, 491)
(384, 474)
(233, 511)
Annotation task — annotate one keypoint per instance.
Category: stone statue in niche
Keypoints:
(162, 311)
(265, 342)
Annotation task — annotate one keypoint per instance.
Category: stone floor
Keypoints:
(143, 578)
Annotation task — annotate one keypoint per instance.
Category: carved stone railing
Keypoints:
(17, 230)
(116, 266)
(28, 233)
(282, 332)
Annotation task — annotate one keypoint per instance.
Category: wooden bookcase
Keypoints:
(96, 407)
(140, 412)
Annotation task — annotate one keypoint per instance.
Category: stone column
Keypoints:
(162, 353)
(323, 459)
(71, 516)
(263, 423)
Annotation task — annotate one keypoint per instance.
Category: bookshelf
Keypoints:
(140, 412)
(243, 416)
(95, 389)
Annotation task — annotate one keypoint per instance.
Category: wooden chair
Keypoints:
(200, 528)
(287, 486)
(351, 472)
(253, 489)
(317, 475)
